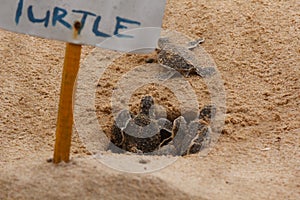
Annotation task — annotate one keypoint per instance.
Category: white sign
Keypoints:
(96, 20)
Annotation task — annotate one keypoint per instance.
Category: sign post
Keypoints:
(80, 22)
(64, 126)
(65, 110)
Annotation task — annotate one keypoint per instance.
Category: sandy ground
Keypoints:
(256, 47)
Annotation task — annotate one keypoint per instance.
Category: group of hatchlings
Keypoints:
(144, 133)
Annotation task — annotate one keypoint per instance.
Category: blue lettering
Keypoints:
(19, 11)
(95, 28)
(58, 15)
(120, 26)
(35, 20)
(83, 19)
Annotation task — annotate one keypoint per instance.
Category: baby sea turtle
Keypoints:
(182, 58)
(190, 137)
(140, 133)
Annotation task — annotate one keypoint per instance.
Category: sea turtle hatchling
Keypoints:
(181, 57)
(140, 133)
(190, 137)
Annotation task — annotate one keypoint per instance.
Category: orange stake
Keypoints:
(65, 110)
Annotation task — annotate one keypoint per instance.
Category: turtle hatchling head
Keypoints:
(162, 42)
(146, 103)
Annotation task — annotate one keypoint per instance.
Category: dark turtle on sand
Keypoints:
(140, 133)
(190, 137)
(181, 57)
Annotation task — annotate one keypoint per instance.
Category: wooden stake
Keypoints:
(65, 110)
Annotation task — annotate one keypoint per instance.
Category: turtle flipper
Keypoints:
(180, 137)
(201, 137)
(205, 72)
(119, 125)
(166, 134)
(167, 75)
(193, 44)
(122, 119)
